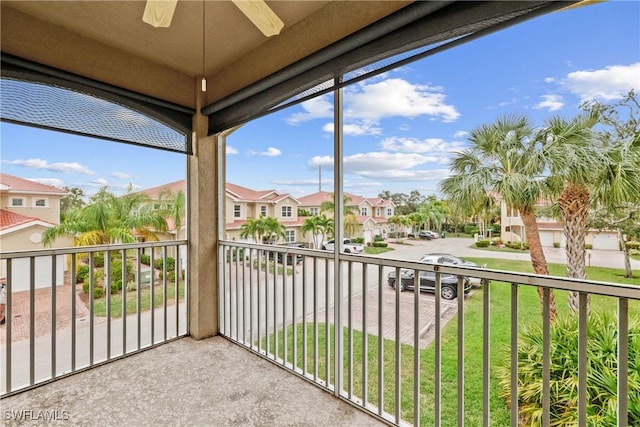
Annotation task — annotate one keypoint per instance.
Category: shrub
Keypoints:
(602, 366)
(378, 238)
(145, 259)
(380, 244)
(482, 244)
(556, 244)
(632, 245)
(171, 263)
(470, 229)
(82, 274)
(496, 241)
(98, 292)
(358, 240)
(98, 259)
(116, 275)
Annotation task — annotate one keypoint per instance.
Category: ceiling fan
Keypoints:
(159, 13)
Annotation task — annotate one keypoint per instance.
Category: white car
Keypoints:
(347, 246)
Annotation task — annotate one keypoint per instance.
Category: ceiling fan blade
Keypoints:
(261, 15)
(159, 13)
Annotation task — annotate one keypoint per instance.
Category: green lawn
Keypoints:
(373, 250)
(100, 305)
(500, 319)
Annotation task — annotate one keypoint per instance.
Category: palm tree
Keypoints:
(350, 219)
(319, 226)
(174, 207)
(498, 163)
(573, 162)
(273, 229)
(109, 219)
(416, 219)
(255, 228)
(399, 221)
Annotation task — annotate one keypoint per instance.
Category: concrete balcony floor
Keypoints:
(211, 382)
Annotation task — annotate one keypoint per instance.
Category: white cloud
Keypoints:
(396, 97)
(550, 103)
(415, 145)
(549, 79)
(231, 150)
(270, 152)
(609, 83)
(121, 175)
(49, 181)
(355, 129)
(461, 134)
(100, 182)
(388, 166)
(365, 104)
(53, 167)
(315, 108)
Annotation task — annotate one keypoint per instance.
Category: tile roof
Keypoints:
(17, 184)
(9, 219)
(154, 192)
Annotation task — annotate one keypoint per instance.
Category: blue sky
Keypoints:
(400, 128)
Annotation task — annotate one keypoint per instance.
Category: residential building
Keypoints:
(551, 231)
(372, 213)
(27, 210)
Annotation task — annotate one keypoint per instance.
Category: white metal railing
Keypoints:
(285, 311)
(55, 326)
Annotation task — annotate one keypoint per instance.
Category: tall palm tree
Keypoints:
(572, 161)
(498, 163)
(109, 219)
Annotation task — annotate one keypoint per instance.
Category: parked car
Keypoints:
(448, 283)
(290, 256)
(447, 259)
(424, 235)
(348, 246)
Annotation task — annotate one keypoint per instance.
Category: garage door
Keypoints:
(21, 276)
(608, 241)
(546, 238)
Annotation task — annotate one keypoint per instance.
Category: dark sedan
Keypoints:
(448, 283)
(290, 256)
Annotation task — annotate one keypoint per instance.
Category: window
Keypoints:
(236, 211)
(156, 206)
(389, 212)
(17, 202)
(364, 211)
(40, 203)
(263, 210)
(314, 211)
(289, 235)
(286, 211)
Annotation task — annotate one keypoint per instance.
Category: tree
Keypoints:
(263, 229)
(73, 200)
(497, 163)
(108, 219)
(173, 205)
(350, 219)
(319, 226)
(399, 221)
